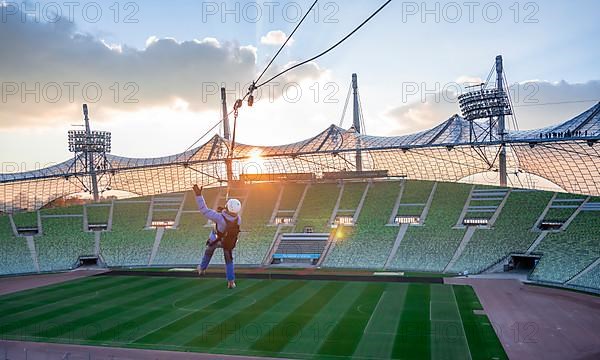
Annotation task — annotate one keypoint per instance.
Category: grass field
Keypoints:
(283, 318)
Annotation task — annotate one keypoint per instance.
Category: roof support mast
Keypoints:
(90, 155)
(356, 121)
(501, 124)
(226, 132)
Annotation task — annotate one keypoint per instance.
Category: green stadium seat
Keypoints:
(14, 255)
(62, 243)
(368, 243)
(566, 253)
(512, 232)
(431, 246)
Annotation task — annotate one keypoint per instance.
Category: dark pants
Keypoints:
(210, 250)
(227, 254)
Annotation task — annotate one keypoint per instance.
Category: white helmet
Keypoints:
(233, 206)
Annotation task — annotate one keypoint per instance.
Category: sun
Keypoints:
(255, 164)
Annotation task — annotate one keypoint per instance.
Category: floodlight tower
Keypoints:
(493, 104)
(356, 120)
(90, 149)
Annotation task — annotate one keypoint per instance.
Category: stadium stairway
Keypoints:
(316, 208)
(497, 198)
(130, 241)
(182, 243)
(561, 210)
(569, 251)
(512, 231)
(404, 226)
(349, 203)
(588, 279)
(64, 238)
(367, 244)
(165, 211)
(33, 252)
(582, 274)
(98, 217)
(431, 246)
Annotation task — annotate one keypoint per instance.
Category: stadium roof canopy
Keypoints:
(567, 154)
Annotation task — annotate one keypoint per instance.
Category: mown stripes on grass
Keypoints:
(117, 306)
(247, 334)
(345, 336)
(297, 318)
(53, 288)
(482, 339)
(309, 340)
(23, 301)
(117, 332)
(217, 333)
(160, 334)
(279, 336)
(413, 334)
(53, 312)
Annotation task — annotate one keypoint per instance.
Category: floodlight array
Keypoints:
(95, 141)
(484, 103)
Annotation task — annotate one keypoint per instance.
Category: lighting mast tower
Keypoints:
(494, 105)
(90, 165)
(501, 124)
(356, 121)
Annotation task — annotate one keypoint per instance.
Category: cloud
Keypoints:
(536, 104)
(275, 37)
(49, 69)
(469, 80)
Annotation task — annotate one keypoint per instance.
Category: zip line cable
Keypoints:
(286, 41)
(329, 49)
(207, 132)
(238, 103)
(263, 72)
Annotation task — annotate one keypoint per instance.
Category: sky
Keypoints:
(150, 70)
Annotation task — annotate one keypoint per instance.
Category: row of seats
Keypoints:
(590, 280)
(353, 192)
(184, 245)
(414, 197)
(14, 256)
(98, 214)
(128, 243)
(63, 242)
(317, 207)
(431, 246)
(567, 253)
(368, 243)
(26, 219)
(512, 232)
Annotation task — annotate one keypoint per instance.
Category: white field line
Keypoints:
(374, 312)
(461, 322)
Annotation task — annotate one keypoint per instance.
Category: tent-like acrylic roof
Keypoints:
(572, 162)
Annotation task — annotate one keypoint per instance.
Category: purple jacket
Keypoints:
(216, 217)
